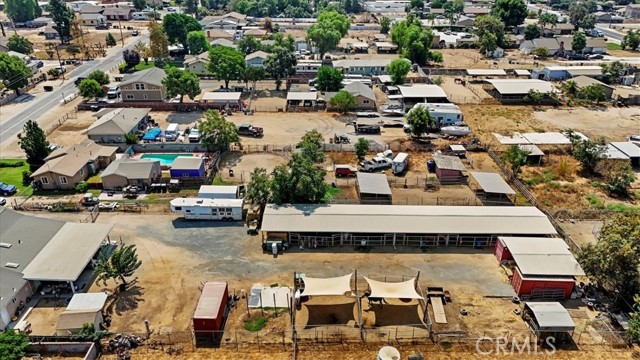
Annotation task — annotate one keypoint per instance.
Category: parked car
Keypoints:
(102, 27)
(247, 129)
(39, 64)
(79, 80)
(113, 93)
(135, 33)
(345, 171)
(194, 136)
(171, 9)
(596, 57)
(3, 201)
(7, 189)
(377, 163)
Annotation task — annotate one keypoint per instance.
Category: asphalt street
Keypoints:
(13, 125)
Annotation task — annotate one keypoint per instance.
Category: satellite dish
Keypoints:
(389, 353)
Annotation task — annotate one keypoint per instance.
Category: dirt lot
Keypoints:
(614, 124)
(583, 232)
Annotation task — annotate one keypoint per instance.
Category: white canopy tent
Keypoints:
(397, 290)
(336, 286)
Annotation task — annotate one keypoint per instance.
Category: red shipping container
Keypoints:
(208, 318)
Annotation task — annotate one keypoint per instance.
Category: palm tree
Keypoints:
(122, 263)
(570, 87)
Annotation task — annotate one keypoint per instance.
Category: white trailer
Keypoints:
(219, 192)
(400, 163)
(208, 209)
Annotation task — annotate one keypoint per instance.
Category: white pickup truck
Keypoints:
(377, 163)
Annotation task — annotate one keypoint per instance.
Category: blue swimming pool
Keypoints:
(165, 159)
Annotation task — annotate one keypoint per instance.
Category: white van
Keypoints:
(400, 163)
(171, 133)
(140, 15)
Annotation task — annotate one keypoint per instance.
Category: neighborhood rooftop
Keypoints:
(118, 121)
(542, 256)
(521, 86)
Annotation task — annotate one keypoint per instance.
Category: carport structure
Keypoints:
(548, 319)
(373, 188)
(492, 189)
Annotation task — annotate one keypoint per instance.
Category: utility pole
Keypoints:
(121, 35)
(60, 62)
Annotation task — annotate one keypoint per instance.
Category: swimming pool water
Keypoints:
(165, 159)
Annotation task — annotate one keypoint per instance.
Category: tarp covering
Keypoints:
(395, 290)
(336, 286)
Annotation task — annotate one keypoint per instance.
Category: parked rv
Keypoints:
(400, 163)
(208, 209)
(171, 133)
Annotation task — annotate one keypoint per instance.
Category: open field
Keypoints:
(614, 124)
(13, 176)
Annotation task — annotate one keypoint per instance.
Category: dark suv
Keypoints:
(247, 129)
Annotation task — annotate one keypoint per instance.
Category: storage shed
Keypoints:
(548, 319)
(187, 166)
(631, 149)
(373, 188)
(544, 267)
(209, 315)
(449, 169)
(534, 156)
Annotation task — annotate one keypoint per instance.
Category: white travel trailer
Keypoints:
(208, 209)
(219, 192)
(400, 163)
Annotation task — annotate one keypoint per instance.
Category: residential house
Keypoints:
(224, 24)
(365, 97)
(596, 45)
(389, 7)
(92, 19)
(558, 73)
(187, 166)
(584, 81)
(92, 9)
(553, 46)
(365, 67)
(215, 34)
(230, 21)
(308, 67)
(223, 42)
(256, 33)
(197, 64)
(76, 6)
(256, 59)
(422, 93)
(126, 171)
(558, 29)
(124, 13)
(632, 11)
(385, 47)
(26, 59)
(39, 22)
(50, 33)
(68, 166)
(145, 85)
(476, 11)
(112, 126)
(443, 114)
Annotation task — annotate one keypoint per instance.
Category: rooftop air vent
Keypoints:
(12, 265)
(5, 245)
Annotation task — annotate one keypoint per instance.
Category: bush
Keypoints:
(82, 187)
(131, 139)
(4, 164)
(26, 178)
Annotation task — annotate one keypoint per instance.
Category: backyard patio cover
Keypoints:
(551, 316)
(395, 290)
(492, 183)
(336, 286)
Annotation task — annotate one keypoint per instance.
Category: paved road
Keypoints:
(610, 33)
(13, 125)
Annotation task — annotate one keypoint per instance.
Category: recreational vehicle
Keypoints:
(208, 209)
(400, 163)
(221, 192)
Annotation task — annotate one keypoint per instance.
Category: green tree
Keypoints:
(570, 88)
(197, 42)
(258, 187)
(13, 345)
(452, 10)
(416, 4)
(413, 40)
(488, 43)
(72, 50)
(547, 19)
(385, 25)
(588, 22)
(122, 264)
(280, 64)
(62, 16)
(398, 69)
(249, 45)
(490, 24)
(420, 120)
(593, 92)
(580, 14)
(88, 333)
(110, 40)
(329, 79)
(177, 26)
(33, 141)
(511, 12)
(89, 89)
(217, 132)
(540, 52)
(253, 74)
(139, 4)
(534, 97)
(613, 261)
(618, 177)
(20, 11)
(131, 138)
(531, 31)
(343, 101)
(579, 41)
(311, 146)
(362, 147)
(158, 43)
(327, 32)
(14, 73)
(633, 333)
(100, 76)
(437, 4)
(588, 153)
(631, 40)
(515, 156)
(19, 44)
(143, 50)
(612, 72)
(226, 64)
(436, 57)
(191, 7)
(181, 82)
(306, 180)
(279, 185)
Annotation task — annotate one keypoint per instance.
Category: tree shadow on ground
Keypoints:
(127, 300)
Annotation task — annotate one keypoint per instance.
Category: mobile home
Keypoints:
(443, 114)
(208, 209)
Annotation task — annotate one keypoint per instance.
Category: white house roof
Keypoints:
(521, 86)
(221, 96)
(256, 54)
(422, 91)
(486, 72)
(407, 219)
(302, 95)
(373, 183)
(492, 183)
(612, 152)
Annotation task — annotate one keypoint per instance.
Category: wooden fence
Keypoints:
(60, 121)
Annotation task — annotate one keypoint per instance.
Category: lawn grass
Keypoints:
(330, 194)
(255, 324)
(613, 46)
(140, 66)
(13, 176)
(217, 180)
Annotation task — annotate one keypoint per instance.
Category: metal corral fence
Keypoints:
(512, 179)
(60, 121)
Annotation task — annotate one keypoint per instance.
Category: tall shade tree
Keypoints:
(33, 141)
(100, 76)
(511, 12)
(89, 88)
(197, 42)
(531, 31)
(631, 40)
(121, 265)
(13, 345)
(413, 40)
(181, 82)
(327, 32)
(19, 44)
(547, 19)
(398, 69)
(22, 10)
(343, 101)
(488, 43)
(14, 73)
(158, 43)
(258, 187)
(329, 79)
(490, 24)
(385, 25)
(110, 40)
(253, 74)
(420, 120)
(226, 64)
(579, 41)
(362, 147)
(62, 16)
(452, 10)
(139, 4)
(311, 146)
(280, 64)
(217, 132)
(306, 180)
(177, 26)
(248, 45)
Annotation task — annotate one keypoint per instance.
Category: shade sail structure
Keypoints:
(335, 286)
(395, 290)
